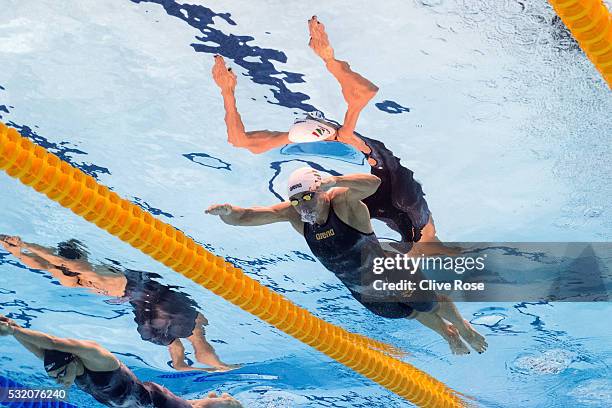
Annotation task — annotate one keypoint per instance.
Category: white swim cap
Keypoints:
(303, 180)
(310, 130)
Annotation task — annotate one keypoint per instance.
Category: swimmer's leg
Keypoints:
(429, 244)
(177, 354)
(357, 90)
(204, 352)
(448, 311)
(448, 332)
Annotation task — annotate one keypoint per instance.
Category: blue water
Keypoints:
(499, 114)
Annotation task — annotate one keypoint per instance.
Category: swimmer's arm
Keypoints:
(262, 215)
(252, 216)
(30, 260)
(37, 351)
(257, 141)
(93, 356)
(67, 281)
(45, 253)
(9, 327)
(358, 186)
(34, 261)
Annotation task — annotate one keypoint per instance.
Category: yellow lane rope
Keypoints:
(590, 23)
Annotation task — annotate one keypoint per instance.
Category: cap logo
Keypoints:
(293, 187)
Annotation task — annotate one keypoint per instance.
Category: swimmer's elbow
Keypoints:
(235, 141)
(376, 181)
(255, 149)
(247, 144)
(373, 184)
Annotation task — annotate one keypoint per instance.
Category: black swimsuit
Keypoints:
(399, 201)
(350, 254)
(152, 300)
(342, 249)
(121, 388)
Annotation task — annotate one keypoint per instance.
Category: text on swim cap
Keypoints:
(293, 187)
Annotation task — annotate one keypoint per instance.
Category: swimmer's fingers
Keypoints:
(212, 394)
(227, 401)
(11, 240)
(219, 209)
(15, 241)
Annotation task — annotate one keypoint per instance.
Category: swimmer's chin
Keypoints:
(309, 218)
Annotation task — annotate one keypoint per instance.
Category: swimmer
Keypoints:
(330, 214)
(99, 373)
(162, 314)
(399, 202)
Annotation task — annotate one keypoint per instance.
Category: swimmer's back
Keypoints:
(121, 388)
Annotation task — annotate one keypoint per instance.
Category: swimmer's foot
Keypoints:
(229, 367)
(457, 346)
(318, 40)
(472, 337)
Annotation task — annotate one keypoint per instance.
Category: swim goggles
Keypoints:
(306, 197)
(62, 373)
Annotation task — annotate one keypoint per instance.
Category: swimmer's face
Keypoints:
(65, 375)
(306, 204)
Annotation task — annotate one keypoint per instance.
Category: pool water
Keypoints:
(491, 103)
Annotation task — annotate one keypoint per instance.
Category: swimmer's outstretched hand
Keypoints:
(7, 326)
(213, 401)
(5, 329)
(12, 241)
(223, 76)
(318, 40)
(219, 209)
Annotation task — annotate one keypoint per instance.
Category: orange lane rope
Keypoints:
(590, 23)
